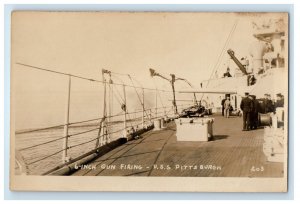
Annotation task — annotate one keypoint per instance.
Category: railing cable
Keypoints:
(84, 78)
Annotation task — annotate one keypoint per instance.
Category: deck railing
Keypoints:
(72, 140)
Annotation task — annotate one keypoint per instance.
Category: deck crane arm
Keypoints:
(237, 62)
(195, 98)
(172, 80)
(154, 73)
(185, 81)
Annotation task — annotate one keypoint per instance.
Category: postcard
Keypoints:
(149, 101)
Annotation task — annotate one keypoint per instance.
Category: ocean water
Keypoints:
(29, 156)
(34, 158)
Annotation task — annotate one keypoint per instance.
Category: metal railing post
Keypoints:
(150, 114)
(125, 110)
(143, 106)
(156, 103)
(65, 157)
(110, 106)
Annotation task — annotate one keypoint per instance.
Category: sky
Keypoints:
(185, 44)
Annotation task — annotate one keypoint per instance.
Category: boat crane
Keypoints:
(172, 81)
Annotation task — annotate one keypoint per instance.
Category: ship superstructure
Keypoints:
(259, 73)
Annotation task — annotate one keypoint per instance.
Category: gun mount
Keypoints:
(237, 62)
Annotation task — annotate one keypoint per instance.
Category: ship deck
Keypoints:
(231, 153)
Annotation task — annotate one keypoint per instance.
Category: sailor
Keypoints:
(251, 80)
(269, 47)
(269, 104)
(261, 70)
(279, 100)
(227, 106)
(246, 106)
(264, 103)
(222, 103)
(227, 73)
(254, 113)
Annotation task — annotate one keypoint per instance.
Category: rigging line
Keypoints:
(39, 129)
(135, 80)
(57, 72)
(164, 107)
(56, 139)
(118, 93)
(40, 144)
(221, 54)
(118, 130)
(118, 73)
(72, 123)
(138, 124)
(37, 145)
(161, 101)
(83, 132)
(57, 126)
(120, 103)
(80, 77)
(85, 121)
(229, 38)
(162, 113)
(131, 78)
(118, 78)
(130, 120)
(121, 113)
(225, 45)
(136, 118)
(143, 105)
(168, 111)
(83, 143)
(159, 94)
(46, 157)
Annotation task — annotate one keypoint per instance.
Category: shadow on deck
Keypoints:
(232, 153)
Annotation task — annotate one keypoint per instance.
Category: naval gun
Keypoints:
(251, 80)
(237, 62)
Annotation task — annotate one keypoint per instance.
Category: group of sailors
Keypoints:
(252, 106)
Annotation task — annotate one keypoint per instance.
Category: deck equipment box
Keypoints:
(194, 129)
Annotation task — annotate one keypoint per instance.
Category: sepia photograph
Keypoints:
(149, 101)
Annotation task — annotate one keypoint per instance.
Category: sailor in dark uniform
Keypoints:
(246, 106)
(254, 112)
(279, 101)
(227, 73)
(222, 103)
(269, 104)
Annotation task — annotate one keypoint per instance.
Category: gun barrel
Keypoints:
(237, 62)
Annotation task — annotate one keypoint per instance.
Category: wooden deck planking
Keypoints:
(235, 151)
